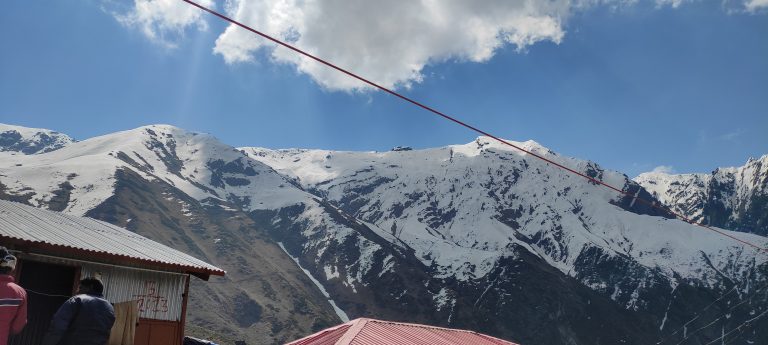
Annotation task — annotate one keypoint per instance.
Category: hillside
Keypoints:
(474, 236)
(733, 198)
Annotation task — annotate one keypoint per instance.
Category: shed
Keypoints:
(55, 250)
(377, 332)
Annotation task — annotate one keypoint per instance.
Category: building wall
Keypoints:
(160, 294)
(48, 285)
(156, 332)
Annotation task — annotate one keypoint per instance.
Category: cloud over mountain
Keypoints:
(389, 42)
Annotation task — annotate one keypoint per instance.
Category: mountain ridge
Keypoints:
(436, 236)
(31, 140)
(731, 197)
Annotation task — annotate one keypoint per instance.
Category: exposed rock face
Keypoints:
(461, 209)
(139, 180)
(469, 236)
(730, 198)
(31, 141)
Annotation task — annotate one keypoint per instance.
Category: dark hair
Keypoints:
(94, 284)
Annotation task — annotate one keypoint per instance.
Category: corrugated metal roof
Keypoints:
(325, 337)
(376, 332)
(38, 226)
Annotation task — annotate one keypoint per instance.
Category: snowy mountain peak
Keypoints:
(31, 141)
(197, 164)
(165, 130)
(458, 230)
(462, 207)
(484, 143)
(732, 197)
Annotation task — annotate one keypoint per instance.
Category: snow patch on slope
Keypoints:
(342, 315)
(734, 189)
(197, 164)
(463, 207)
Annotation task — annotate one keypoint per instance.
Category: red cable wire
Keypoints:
(447, 117)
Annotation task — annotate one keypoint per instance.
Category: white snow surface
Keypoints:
(339, 312)
(681, 191)
(35, 135)
(444, 203)
(90, 166)
(562, 212)
(187, 161)
(676, 190)
(443, 299)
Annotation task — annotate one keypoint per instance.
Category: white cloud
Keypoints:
(389, 42)
(664, 169)
(671, 3)
(749, 5)
(755, 5)
(732, 136)
(163, 21)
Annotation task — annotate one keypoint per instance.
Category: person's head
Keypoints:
(7, 261)
(91, 285)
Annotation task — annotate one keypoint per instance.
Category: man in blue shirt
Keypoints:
(84, 319)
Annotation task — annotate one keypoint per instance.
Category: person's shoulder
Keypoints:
(18, 289)
(103, 302)
(82, 297)
(74, 299)
(106, 301)
(99, 298)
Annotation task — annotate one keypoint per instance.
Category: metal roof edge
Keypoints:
(25, 245)
(320, 333)
(364, 321)
(357, 326)
(422, 326)
(20, 212)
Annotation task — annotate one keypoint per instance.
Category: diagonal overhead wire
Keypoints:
(654, 205)
(698, 314)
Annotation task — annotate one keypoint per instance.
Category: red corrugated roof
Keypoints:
(325, 337)
(376, 332)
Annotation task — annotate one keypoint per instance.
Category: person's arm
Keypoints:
(20, 320)
(61, 321)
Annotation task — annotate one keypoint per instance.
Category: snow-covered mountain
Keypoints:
(187, 190)
(30, 141)
(196, 164)
(734, 198)
(459, 207)
(465, 209)
(471, 236)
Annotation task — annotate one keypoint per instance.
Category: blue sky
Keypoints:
(631, 87)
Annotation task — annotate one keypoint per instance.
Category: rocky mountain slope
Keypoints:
(732, 198)
(31, 140)
(165, 184)
(470, 236)
(461, 208)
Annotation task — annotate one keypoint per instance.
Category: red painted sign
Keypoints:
(151, 299)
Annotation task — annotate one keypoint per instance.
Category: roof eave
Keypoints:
(48, 248)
